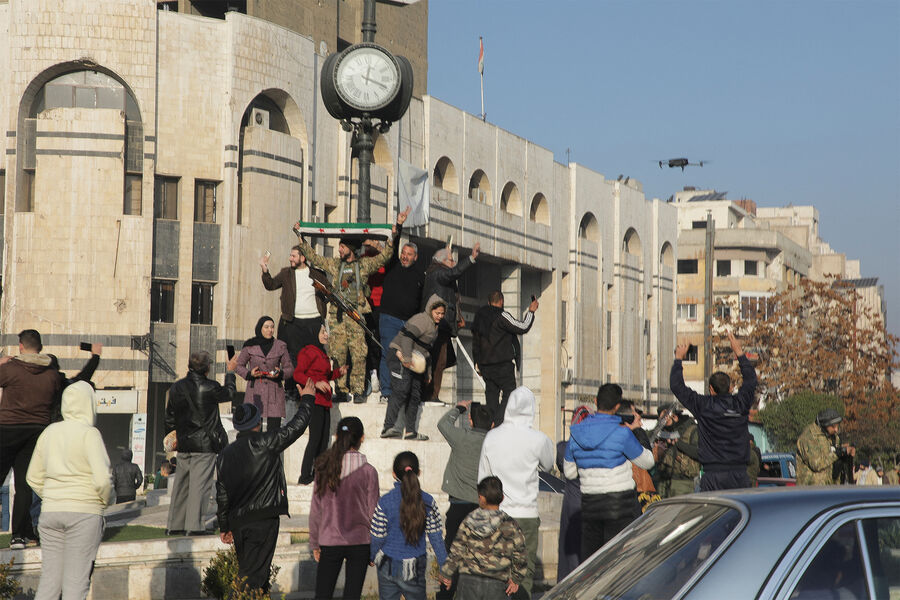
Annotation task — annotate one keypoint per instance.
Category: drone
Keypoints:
(680, 162)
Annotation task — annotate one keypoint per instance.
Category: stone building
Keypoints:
(759, 252)
(151, 156)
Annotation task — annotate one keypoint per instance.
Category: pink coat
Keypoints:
(267, 394)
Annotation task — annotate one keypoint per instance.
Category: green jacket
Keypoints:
(461, 472)
(815, 455)
(681, 459)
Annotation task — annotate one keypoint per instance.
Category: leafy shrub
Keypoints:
(9, 585)
(785, 420)
(221, 581)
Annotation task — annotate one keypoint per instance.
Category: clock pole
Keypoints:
(364, 144)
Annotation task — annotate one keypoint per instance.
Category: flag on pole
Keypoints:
(480, 55)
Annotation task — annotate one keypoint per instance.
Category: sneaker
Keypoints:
(416, 437)
(340, 397)
(178, 532)
(17, 543)
(391, 433)
(383, 400)
(360, 399)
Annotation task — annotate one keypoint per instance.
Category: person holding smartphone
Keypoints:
(265, 363)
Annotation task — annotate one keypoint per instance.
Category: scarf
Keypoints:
(265, 344)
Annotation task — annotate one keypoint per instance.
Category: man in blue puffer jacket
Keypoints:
(599, 451)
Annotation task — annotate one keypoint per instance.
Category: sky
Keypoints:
(791, 102)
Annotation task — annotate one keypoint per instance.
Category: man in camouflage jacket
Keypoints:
(680, 464)
(815, 454)
(349, 279)
(489, 549)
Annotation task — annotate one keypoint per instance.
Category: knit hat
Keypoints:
(351, 243)
(246, 417)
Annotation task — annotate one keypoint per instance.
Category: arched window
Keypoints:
(509, 199)
(480, 187)
(632, 242)
(445, 177)
(86, 89)
(589, 229)
(667, 255)
(540, 209)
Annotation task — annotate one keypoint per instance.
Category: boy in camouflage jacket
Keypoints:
(488, 551)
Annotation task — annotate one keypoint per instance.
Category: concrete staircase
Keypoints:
(173, 567)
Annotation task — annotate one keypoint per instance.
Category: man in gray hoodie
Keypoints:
(416, 336)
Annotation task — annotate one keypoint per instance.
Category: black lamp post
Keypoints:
(367, 88)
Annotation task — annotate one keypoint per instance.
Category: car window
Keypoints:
(836, 571)
(883, 549)
(771, 468)
(655, 556)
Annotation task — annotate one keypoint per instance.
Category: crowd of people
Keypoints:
(345, 321)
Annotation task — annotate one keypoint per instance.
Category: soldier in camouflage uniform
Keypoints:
(489, 549)
(815, 453)
(349, 275)
(679, 465)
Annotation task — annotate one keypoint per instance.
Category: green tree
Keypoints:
(785, 421)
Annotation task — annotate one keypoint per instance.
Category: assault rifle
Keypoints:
(344, 307)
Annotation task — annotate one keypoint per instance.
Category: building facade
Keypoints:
(152, 156)
(758, 252)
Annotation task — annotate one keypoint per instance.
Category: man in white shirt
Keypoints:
(302, 308)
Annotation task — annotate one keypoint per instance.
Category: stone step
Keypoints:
(172, 568)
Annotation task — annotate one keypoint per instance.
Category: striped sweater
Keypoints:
(388, 539)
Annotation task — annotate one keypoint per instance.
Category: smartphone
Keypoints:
(86, 346)
(533, 298)
(268, 254)
(230, 350)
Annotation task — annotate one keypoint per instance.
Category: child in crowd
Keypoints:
(344, 497)
(489, 549)
(403, 518)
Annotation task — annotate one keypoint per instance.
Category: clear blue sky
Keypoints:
(791, 101)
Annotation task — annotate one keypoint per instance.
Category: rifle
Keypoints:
(343, 306)
(661, 422)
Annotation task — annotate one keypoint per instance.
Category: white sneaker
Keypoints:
(373, 378)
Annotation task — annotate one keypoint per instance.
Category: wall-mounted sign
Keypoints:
(116, 401)
(139, 438)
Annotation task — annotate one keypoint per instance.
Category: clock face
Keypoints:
(367, 77)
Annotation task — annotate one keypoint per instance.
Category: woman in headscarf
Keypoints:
(570, 515)
(264, 362)
(313, 363)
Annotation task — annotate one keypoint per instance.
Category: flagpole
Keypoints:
(481, 73)
(483, 115)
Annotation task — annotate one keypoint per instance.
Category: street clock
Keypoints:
(366, 80)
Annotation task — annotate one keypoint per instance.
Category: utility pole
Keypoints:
(709, 264)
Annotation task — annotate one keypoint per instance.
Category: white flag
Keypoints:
(415, 192)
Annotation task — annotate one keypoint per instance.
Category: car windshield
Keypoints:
(655, 556)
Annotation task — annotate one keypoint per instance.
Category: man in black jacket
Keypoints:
(127, 478)
(441, 279)
(496, 350)
(193, 412)
(251, 491)
(724, 446)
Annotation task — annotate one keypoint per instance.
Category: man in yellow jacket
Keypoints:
(69, 470)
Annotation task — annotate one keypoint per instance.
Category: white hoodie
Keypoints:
(514, 452)
(69, 469)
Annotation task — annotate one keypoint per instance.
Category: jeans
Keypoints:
(388, 328)
(390, 587)
(406, 396)
(4, 509)
(329, 567)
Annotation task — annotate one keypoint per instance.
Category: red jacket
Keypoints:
(313, 363)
